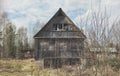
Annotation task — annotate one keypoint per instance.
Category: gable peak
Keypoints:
(60, 9)
(60, 12)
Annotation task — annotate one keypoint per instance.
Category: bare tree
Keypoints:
(33, 29)
(100, 34)
(22, 41)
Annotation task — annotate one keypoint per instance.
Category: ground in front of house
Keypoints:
(30, 67)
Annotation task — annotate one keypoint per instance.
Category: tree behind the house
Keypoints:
(9, 40)
(22, 42)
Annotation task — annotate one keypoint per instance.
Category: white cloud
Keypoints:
(43, 10)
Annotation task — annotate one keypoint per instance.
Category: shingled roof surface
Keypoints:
(59, 17)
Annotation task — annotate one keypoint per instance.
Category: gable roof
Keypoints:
(61, 13)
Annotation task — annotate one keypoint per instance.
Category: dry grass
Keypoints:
(30, 67)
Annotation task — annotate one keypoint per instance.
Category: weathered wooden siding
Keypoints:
(37, 52)
(59, 47)
(59, 34)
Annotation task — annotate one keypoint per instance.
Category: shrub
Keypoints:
(115, 64)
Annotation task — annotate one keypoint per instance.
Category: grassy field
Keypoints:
(30, 67)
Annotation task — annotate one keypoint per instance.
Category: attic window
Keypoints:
(54, 27)
(57, 26)
(62, 27)
(67, 27)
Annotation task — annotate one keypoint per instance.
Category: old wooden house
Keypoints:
(59, 42)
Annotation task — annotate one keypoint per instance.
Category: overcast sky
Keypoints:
(27, 12)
